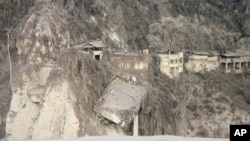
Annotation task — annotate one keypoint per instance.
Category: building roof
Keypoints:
(166, 50)
(215, 53)
(186, 50)
(231, 55)
(120, 100)
(126, 53)
(99, 44)
(92, 44)
(200, 53)
(37, 91)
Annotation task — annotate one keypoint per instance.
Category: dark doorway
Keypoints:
(97, 57)
(223, 66)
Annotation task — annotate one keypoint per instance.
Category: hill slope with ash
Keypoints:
(42, 31)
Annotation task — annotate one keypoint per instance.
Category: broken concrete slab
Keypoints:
(120, 102)
(37, 91)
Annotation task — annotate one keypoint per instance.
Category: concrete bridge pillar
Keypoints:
(135, 129)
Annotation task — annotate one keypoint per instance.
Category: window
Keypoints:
(181, 60)
(97, 57)
(237, 65)
(171, 61)
(172, 70)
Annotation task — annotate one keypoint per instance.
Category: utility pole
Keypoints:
(8, 37)
(68, 40)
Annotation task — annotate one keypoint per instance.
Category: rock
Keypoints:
(57, 118)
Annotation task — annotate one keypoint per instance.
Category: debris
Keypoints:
(120, 101)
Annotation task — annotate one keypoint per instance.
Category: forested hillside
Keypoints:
(193, 104)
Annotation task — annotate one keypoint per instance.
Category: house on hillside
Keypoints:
(94, 48)
(234, 62)
(171, 62)
(131, 62)
(202, 61)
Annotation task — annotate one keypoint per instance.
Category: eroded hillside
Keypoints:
(43, 30)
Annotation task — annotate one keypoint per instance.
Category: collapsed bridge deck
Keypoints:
(121, 101)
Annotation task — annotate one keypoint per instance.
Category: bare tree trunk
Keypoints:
(9, 57)
(68, 42)
(19, 3)
(183, 2)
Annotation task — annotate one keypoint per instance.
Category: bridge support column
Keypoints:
(136, 122)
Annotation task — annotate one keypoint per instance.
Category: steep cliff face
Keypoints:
(53, 94)
(56, 101)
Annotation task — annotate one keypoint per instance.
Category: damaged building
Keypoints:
(131, 62)
(202, 61)
(134, 63)
(171, 62)
(121, 102)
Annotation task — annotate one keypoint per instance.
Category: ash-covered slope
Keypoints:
(52, 86)
(163, 23)
(179, 106)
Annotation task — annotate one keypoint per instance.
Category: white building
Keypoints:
(171, 62)
(202, 61)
